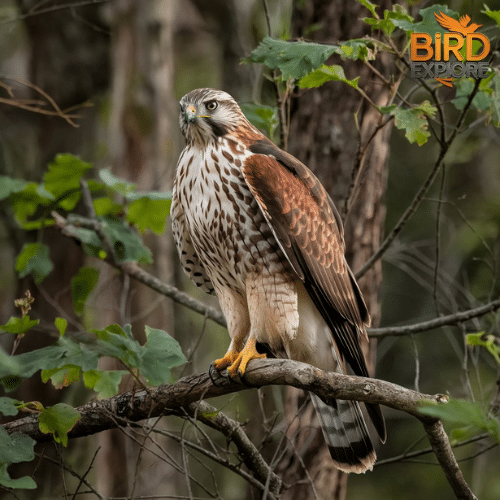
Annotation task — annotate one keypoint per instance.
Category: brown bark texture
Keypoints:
(324, 135)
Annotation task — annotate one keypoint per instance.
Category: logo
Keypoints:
(450, 55)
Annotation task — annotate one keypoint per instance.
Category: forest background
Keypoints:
(89, 136)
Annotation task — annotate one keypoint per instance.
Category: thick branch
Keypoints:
(442, 449)
(176, 399)
(166, 399)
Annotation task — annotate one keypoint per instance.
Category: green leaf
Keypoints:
(429, 23)
(22, 483)
(370, 6)
(358, 49)
(413, 121)
(19, 325)
(81, 286)
(9, 185)
(326, 74)
(116, 342)
(265, 118)
(15, 448)
(34, 257)
(63, 179)
(61, 324)
(293, 59)
(105, 383)
(465, 414)
(160, 353)
(150, 211)
(396, 18)
(106, 206)
(26, 202)
(8, 407)
(119, 185)
(62, 377)
(494, 14)
(9, 371)
(465, 86)
(489, 342)
(126, 243)
(58, 420)
(153, 360)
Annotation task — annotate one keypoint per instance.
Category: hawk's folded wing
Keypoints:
(308, 229)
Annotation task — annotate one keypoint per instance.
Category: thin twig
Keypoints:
(423, 189)
(438, 243)
(425, 451)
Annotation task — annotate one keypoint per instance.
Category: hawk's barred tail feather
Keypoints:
(346, 435)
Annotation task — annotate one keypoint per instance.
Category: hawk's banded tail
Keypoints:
(346, 435)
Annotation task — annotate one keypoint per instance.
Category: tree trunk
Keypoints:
(326, 140)
(141, 137)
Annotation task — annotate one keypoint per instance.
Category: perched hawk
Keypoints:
(253, 225)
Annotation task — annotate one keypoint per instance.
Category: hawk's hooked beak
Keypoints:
(190, 114)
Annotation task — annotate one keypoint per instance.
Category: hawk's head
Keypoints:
(207, 114)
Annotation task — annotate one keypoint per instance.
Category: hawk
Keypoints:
(255, 227)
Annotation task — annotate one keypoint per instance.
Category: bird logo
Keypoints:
(459, 26)
(456, 53)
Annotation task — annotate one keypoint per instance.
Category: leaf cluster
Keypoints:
(67, 361)
(305, 65)
(121, 212)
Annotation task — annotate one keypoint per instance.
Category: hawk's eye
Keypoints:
(211, 105)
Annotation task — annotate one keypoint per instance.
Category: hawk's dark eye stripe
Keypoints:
(217, 128)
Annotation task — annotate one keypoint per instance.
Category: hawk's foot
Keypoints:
(228, 359)
(248, 352)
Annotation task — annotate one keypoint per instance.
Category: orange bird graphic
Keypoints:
(459, 26)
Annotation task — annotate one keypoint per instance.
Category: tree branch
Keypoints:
(175, 399)
(451, 319)
(133, 270)
(203, 412)
(442, 449)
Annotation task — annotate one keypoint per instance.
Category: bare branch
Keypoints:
(442, 449)
(251, 456)
(451, 319)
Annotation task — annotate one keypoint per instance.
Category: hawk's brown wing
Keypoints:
(309, 231)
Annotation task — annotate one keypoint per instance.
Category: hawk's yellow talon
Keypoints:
(227, 360)
(240, 363)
